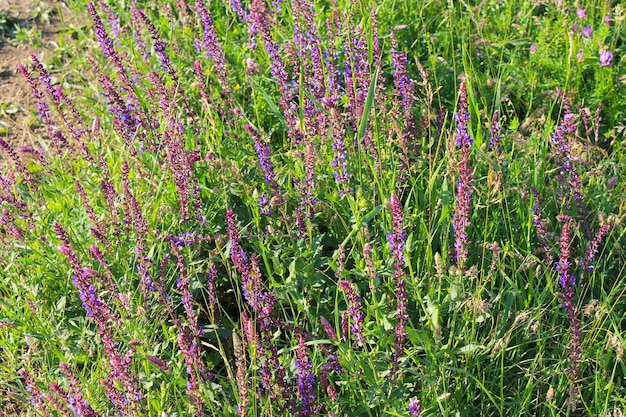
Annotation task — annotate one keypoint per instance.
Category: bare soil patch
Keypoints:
(31, 27)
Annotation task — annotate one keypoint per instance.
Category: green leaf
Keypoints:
(368, 105)
(270, 102)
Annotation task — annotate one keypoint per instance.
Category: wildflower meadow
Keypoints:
(320, 208)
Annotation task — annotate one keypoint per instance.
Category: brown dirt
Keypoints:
(16, 101)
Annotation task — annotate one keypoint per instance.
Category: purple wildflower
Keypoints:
(330, 366)
(611, 183)
(568, 294)
(159, 45)
(340, 158)
(597, 122)
(495, 136)
(308, 187)
(592, 250)
(189, 334)
(533, 48)
(263, 153)
(562, 141)
(125, 120)
(213, 45)
(354, 316)
(211, 290)
(184, 239)
(114, 21)
(251, 66)
(264, 205)
(259, 22)
(580, 56)
(404, 89)
(159, 363)
(58, 399)
(587, 31)
(105, 41)
(396, 245)
(464, 188)
(239, 10)
(606, 58)
(356, 75)
(17, 161)
(328, 328)
(581, 13)
(74, 398)
(607, 20)
(369, 266)
(36, 396)
(415, 407)
(305, 378)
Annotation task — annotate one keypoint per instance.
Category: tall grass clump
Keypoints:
(322, 208)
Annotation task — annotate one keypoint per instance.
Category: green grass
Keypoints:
(484, 336)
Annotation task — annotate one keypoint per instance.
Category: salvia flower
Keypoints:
(213, 45)
(415, 407)
(404, 89)
(606, 58)
(184, 239)
(36, 396)
(592, 250)
(74, 398)
(340, 158)
(611, 183)
(239, 10)
(305, 378)
(568, 295)
(562, 139)
(328, 367)
(159, 45)
(396, 243)
(263, 153)
(354, 315)
(464, 188)
(211, 290)
(159, 363)
(264, 205)
(328, 328)
(189, 334)
(495, 136)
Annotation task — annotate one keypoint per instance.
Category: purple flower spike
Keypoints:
(328, 328)
(592, 251)
(606, 58)
(415, 407)
(354, 314)
(396, 244)
(568, 295)
(495, 136)
(464, 188)
(306, 379)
